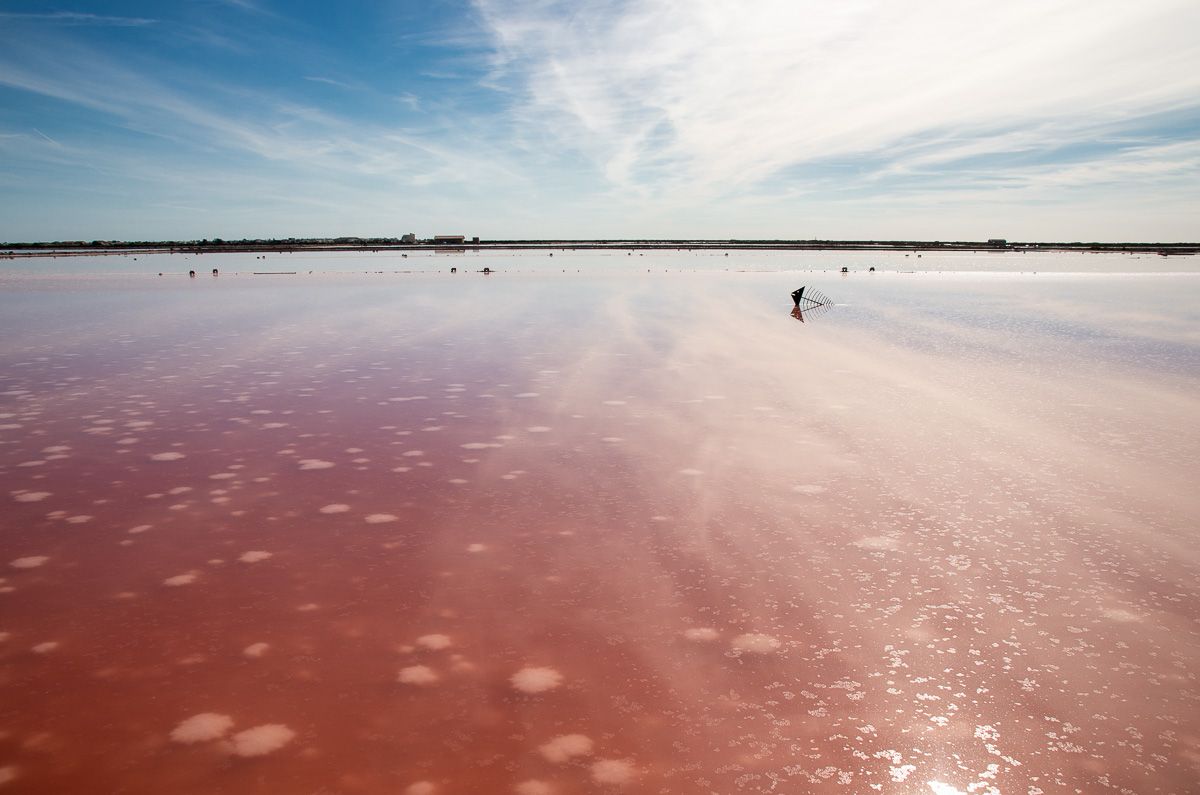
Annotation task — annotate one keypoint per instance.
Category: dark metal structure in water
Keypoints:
(811, 301)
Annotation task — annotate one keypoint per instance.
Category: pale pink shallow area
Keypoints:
(629, 533)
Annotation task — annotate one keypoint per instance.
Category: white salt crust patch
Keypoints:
(476, 548)
(1121, 614)
(692, 472)
(420, 788)
(166, 456)
(701, 634)
(335, 507)
(315, 463)
(202, 728)
(566, 747)
(256, 650)
(262, 740)
(31, 562)
(434, 642)
(181, 579)
(539, 429)
(30, 496)
(877, 543)
(536, 679)
(615, 772)
(755, 643)
(254, 556)
(533, 787)
(808, 488)
(45, 648)
(380, 518)
(9, 774)
(417, 675)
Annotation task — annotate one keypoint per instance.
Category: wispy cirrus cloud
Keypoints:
(710, 98)
(78, 18)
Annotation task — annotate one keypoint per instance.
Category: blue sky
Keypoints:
(932, 119)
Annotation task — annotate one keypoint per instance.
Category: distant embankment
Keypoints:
(103, 247)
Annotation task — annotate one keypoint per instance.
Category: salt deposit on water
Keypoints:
(202, 728)
(262, 740)
(417, 675)
(536, 679)
(566, 747)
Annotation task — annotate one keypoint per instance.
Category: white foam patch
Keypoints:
(254, 556)
(139, 529)
(30, 496)
(181, 579)
(755, 643)
(479, 445)
(434, 642)
(167, 456)
(315, 463)
(417, 675)
(256, 650)
(413, 453)
(614, 772)
(202, 728)
(940, 788)
(533, 787)
(262, 740)
(476, 548)
(536, 679)
(458, 481)
(539, 429)
(335, 507)
(380, 518)
(701, 634)
(566, 747)
(31, 562)
(527, 395)
(46, 648)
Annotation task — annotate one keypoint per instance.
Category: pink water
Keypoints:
(941, 539)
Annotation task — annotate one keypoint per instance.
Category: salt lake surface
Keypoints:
(577, 527)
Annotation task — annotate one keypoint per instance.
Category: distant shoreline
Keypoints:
(97, 248)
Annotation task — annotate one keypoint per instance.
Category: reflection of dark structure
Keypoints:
(810, 302)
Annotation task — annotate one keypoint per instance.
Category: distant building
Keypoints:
(411, 237)
(454, 240)
(997, 241)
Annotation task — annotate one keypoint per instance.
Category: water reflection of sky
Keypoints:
(562, 533)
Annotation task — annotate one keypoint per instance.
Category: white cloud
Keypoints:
(713, 95)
